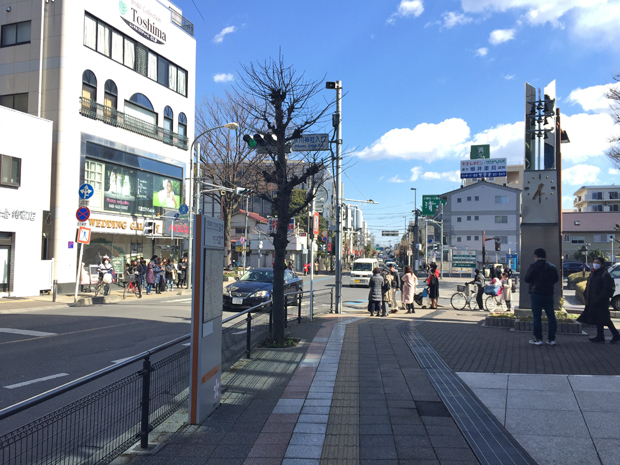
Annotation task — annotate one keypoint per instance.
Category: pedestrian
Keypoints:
(134, 276)
(157, 271)
(162, 275)
(386, 291)
(433, 284)
(410, 283)
(182, 267)
(169, 275)
(142, 272)
(600, 287)
(542, 276)
(479, 282)
(375, 295)
(395, 287)
(316, 266)
(150, 277)
(508, 271)
(506, 289)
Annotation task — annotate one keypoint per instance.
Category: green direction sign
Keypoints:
(480, 151)
(464, 259)
(430, 203)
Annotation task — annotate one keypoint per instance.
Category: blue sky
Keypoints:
(426, 79)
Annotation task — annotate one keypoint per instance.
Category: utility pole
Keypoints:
(245, 239)
(416, 233)
(311, 250)
(338, 251)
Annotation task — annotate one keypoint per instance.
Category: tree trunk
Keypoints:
(226, 217)
(280, 242)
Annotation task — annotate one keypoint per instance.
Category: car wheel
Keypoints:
(615, 303)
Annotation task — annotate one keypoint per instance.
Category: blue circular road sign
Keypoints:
(82, 214)
(183, 209)
(86, 191)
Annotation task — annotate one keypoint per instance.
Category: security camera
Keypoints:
(330, 85)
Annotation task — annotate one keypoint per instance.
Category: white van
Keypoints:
(614, 271)
(362, 271)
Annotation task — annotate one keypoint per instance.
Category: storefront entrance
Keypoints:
(5, 261)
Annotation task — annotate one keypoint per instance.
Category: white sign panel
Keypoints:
(311, 143)
(483, 168)
(213, 233)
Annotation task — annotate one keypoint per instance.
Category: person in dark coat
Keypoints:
(542, 276)
(433, 285)
(375, 296)
(600, 289)
(479, 282)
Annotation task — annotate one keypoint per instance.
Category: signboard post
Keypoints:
(483, 168)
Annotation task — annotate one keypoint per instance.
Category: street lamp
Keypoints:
(416, 253)
(193, 191)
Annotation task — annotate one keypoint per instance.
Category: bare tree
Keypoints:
(613, 94)
(226, 160)
(284, 103)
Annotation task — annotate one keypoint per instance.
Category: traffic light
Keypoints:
(249, 140)
(498, 245)
(148, 227)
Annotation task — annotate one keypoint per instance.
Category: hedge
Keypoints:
(575, 278)
(579, 290)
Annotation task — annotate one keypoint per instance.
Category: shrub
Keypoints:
(580, 288)
(575, 278)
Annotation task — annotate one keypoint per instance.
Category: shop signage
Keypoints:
(483, 168)
(176, 228)
(141, 19)
(17, 215)
(120, 225)
(464, 258)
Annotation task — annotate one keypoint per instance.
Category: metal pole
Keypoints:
(311, 258)
(426, 241)
(441, 240)
(145, 404)
(539, 133)
(79, 272)
(190, 200)
(247, 200)
(248, 350)
(339, 198)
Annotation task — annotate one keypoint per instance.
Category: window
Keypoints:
(501, 199)
(566, 237)
(182, 124)
(501, 219)
(103, 38)
(613, 196)
(117, 46)
(152, 66)
(469, 199)
(110, 98)
(503, 239)
(476, 198)
(458, 219)
(140, 107)
(577, 223)
(10, 171)
(476, 238)
(172, 77)
(458, 239)
(168, 118)
(16, 34)
(597, 208)
(17, 102)
(469, 218)
(469, 238)
(162, 71)
(458, 200)
(182, 84)
(613, 208)
(578, 240)
(94, 174)
(130, 53)
(597, 196)
(603, 237)
(476, 218)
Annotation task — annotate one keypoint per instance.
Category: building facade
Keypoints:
(595, 230)
(483, 207)
(118, 81)
(597, 199)
(24, 205)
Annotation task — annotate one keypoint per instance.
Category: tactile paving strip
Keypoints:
(487, 437)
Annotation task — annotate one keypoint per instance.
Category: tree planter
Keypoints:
(498, 322)
(563, 327)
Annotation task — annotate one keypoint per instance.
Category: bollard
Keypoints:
(248, 350)
(299, 298)
(54, 290)
(331, 300)
(146, 401)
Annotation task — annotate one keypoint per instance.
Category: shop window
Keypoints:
(93, 175)
(139, 107)
(110, 97)
(10, 171)
(168, 118)
(17, 102)
(16, 34)
(182, 124)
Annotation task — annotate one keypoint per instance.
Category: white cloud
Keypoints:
(506, 141)
(499, 36)
(599, 25)
(453, 18)
(416, 171)
(591, 98)
(509, 77)
(396, 179)
(218, 39)
(407, 8)
(427, 141)
(580, 175)
(614, 171)
(482, 52)
(452, 176)
(589, 135)
(223, 77)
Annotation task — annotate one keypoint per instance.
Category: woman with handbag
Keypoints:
(410, 283)
(599, 290)
(433, 285)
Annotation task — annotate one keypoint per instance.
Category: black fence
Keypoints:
(98, 427)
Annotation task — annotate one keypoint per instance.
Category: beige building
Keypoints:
(596, 230)
(597, 199)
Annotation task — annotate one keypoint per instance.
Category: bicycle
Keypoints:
(131, 287)
(492, 303)
(102, 287)
(463, 296)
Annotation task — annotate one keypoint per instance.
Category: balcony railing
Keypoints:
(91, 109)
(182, 22)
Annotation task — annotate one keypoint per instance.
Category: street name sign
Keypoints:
(483, 168)
(311, 143)
(480, 151)
(389, 233)
(430, 204)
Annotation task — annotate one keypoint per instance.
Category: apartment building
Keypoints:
(597, 199)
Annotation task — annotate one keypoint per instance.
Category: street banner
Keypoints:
(483, 168)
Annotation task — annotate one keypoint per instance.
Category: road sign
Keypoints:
(430, 204)
(176, 216)
(324, 238)
(242, 240)
(329, 247)
(315, 228)
(464, 258)
(82, 213)
(483, 168)
(311, 143)
(183, 209)
(86, 191)
(84, 235)
(71, 244)
(430, 240)
(480, 151)
(389, 233)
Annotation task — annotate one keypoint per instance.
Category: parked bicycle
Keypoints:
(495, 303)
(131, 287)
(464, 296)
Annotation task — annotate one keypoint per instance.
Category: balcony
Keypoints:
(91, 109)
(182, 22)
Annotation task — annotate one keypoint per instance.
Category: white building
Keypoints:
(24, 204)
(117, 78)
(487, 207)
(597, 199)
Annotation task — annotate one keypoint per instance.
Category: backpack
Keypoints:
(387, 282)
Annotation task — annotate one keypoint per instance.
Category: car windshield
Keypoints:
(362, 266)
(261, 276)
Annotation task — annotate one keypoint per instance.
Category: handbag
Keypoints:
(107, 278)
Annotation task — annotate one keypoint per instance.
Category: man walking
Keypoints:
(394, 289)
(542, 276)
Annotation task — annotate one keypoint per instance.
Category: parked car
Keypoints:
(614, 271)
(256, 287)
(570, 267)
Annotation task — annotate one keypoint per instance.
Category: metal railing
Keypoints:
(182, 22)
(98, 427)
(91, 109)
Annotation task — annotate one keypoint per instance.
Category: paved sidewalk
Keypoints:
(432, 388)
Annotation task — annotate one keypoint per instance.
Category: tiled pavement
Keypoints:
(355, 393)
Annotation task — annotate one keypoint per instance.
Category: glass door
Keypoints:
(5, 271)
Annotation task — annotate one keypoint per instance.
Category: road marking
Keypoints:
(177, 300)
(38, 380)
(188, 344)
(25, 332)
(10, 301)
